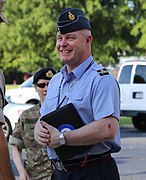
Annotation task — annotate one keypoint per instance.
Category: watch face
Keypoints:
(61, 139)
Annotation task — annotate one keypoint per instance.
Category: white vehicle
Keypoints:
(24, 94)
(132, 81)
(12, 112)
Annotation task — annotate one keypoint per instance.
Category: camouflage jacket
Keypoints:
(2, 101)
(37, 163)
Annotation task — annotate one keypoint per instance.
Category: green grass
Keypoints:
(125, 120)
(11, 86)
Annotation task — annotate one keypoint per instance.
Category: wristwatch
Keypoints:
(61, 139)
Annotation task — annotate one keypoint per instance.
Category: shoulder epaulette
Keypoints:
(103, 72)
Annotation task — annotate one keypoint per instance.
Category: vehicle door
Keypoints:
(138, 88)
(124, 80)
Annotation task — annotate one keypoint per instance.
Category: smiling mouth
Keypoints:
(64, 52)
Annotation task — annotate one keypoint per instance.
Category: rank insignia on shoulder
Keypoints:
(103, 72)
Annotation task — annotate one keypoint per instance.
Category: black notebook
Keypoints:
(64, 119)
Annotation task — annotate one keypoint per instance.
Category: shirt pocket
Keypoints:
(52, 95)
(53, 100)
(75, 96)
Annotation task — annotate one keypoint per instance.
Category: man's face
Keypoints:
(72, 47)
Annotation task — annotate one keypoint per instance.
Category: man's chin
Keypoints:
(65, 60)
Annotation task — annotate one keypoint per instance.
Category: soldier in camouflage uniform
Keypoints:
(37, 165)
(6, 172)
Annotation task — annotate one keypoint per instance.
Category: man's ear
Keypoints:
(89, 39)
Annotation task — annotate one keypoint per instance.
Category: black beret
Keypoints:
(45, 73)
(72, 19)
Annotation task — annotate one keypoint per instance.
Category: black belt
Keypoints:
(79, 163)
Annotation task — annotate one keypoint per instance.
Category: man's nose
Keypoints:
(63, 42)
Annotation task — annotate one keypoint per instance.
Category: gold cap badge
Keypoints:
(71, 16)
(49, 74)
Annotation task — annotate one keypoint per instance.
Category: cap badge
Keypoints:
(49, 74)
(71, 16)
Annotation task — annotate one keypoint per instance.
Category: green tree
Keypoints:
(139, 28)
(28, 43)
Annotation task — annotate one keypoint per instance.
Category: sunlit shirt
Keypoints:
(93, 96)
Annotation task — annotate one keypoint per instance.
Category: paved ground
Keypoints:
(131, 159)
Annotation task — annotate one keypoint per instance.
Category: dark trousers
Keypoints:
(101, 171)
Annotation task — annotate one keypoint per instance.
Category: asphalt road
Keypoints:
(131, 160)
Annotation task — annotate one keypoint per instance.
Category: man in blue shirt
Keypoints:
(96, 97)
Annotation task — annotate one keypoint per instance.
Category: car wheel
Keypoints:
(139, 122)
(7, 128)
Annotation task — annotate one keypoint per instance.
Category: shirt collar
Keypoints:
(78, 71)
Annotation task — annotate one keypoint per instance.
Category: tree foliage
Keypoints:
(28, 42)
(139, 29)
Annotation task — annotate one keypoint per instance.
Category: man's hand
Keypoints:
(46, 135)
(53, 135)
(41, 134)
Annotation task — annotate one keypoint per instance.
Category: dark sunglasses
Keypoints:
(42, 85)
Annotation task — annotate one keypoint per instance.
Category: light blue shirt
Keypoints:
(94, 96)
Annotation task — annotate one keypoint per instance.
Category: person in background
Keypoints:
(95, 94)
(6, 172)
(37, 164)
(26, 76)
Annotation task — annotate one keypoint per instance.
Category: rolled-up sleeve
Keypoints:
(14, 141)
(17, 138)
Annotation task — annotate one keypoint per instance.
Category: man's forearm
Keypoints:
(93, 133)
(6, 172)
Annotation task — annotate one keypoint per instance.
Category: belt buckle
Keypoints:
(59, 165)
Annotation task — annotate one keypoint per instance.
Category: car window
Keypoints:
(125, 74)
(140, 74)
(28, 82)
